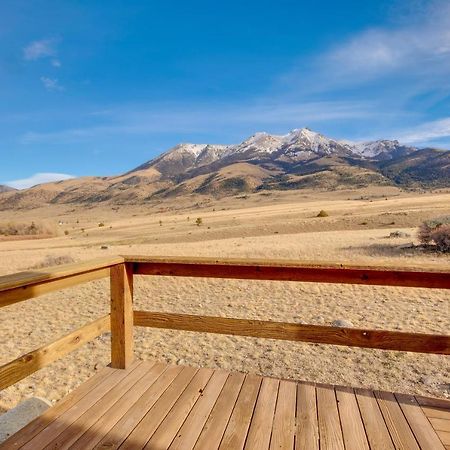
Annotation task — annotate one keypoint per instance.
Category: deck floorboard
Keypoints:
(153, 405)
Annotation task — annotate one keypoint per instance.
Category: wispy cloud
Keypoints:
(37, 178)
(51, 84)
(427, 132)
(44, 48)
(380, 51)
(170, 118)
(415, 50)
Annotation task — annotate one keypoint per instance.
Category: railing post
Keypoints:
(121, 316)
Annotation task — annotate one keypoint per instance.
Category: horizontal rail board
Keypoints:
(20, 294)
(22, 279)
(319, 334)
(289, 271)
(25, 365)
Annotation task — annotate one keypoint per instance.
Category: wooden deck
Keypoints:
(153, 405)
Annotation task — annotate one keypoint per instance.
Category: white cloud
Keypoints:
(416, 49)
(39, 49)
(38, 178)
(426, 132)
(56, 63)
(51, 84)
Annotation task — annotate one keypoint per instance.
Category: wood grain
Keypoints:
(121, 316)
(426, 276)
(374, 424)
(352, 426)
(307, 424)
(25, 285)
(352, 337)
(330, 430)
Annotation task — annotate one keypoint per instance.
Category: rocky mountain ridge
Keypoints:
(301, 159)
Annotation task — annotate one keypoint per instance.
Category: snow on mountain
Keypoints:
(303, 143)
(381, 149)
(298, 145)
(184, 148)
(260, 143)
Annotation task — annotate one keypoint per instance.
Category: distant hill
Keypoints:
(5, 188)
(301, 159)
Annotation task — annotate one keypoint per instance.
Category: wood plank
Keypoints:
(399, 428)
(330, 432)
(22, 279)
(25, 365)
(351, 422)
(169, 427)
(77, 428)
(438, 413)
(121, 316)
(110, 418)
(283, 432)
(433, 402)
(151, 421)
(374, 424)
(192, 427)
(307, 422)
(69, 415)
(51, 414)
(239, 423)
(282, 270)
(444, 437)
(420, 425)
(352, 337)
(20, 294)
(440, 424)
(214, 428)
(260, 431)
(123, 428)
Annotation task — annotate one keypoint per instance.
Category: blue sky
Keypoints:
(90, 87)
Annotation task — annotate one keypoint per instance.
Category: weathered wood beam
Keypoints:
(352, 337)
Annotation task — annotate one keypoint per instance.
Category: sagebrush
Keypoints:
(436, 232)
(25, 229)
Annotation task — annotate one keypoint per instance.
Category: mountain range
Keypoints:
(298, 160)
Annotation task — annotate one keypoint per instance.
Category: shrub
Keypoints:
(25, 229)
(50, 261)
(101, 224)
(198, 221)
(66, 232)
(322, 213)
(436, 231)
(441, 237)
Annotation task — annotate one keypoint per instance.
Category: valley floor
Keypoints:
(283, 225)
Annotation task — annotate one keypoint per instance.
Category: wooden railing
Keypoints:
(122, 318)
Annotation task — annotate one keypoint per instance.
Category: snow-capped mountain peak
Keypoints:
(298, 145)
(381, 149)
(194, 149)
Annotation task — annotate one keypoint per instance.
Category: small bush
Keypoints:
(101, 224)
(322, 213)
(66, 232)
(198, 221)
(25, 229)
(50, 261)
(437, 232)
(441, 238)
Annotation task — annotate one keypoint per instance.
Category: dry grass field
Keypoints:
(282, 225)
